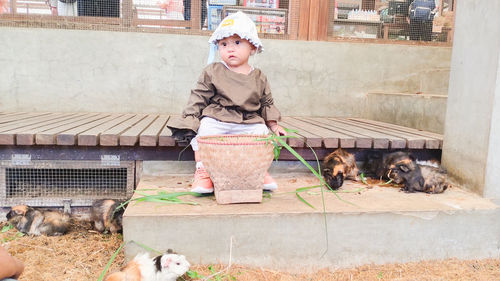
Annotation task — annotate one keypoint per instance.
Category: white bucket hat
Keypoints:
(239, 24)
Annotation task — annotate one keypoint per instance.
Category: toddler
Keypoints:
(231, 97)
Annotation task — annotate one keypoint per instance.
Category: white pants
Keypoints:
(210, 126)
(67, 9)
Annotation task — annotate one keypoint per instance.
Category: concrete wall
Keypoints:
(470, 150)
(77, 70)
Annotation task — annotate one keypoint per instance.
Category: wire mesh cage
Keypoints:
(279, 19)
(53, 183)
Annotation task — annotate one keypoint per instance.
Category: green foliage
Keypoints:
(7, 227)
(161, 197)
(14, 237)
(194, 275)
(363, 178)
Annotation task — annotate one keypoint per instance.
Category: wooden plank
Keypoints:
(394, 141)
(91, 136)
(330, 139)
(31, 121)
(10, 120)
(69, 137)
(310, 139)
(413, 141)
(149, 137)
(165, 137)
(362, 141)
(304, 19)
(343, 140)
(48, 137)
(131, 136)
(11, 116)
(431, 138)
(111, 136)
(8, 133)
(297, 140)
(27, 136)
(380, 140)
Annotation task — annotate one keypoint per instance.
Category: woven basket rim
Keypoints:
(209, 140)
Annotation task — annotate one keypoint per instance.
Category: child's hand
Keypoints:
(276, 129)
(280, 131)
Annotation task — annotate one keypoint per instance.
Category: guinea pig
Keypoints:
(38, 222)
(339, 165)
(398, 166)
(403, 168)
(165, 267)
(105, 216)
(435, 179)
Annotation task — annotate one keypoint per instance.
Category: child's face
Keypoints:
(235, 51)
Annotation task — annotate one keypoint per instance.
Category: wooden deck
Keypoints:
(149, 130)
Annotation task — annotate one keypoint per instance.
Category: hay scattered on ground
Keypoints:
(79, 255)
(82, 255)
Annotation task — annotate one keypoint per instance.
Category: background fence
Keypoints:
(283, 19)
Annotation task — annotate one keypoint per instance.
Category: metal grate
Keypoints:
(51, 183)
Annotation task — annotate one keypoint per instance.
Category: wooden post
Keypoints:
(13, 7)
(304, 19)
(196, 14)
(368, 4)
(452, 31)
(314, 20)
(293, 18)
(127, 12)
(324, 19)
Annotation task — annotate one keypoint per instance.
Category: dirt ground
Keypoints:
(82, 254)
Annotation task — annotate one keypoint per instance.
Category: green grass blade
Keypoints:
(363, 179)
(387, 182)
(303, 200)
(149, 249)
(101, 277)
(302, 189)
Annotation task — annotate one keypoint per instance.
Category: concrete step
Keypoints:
(420, 111)
(362, 225)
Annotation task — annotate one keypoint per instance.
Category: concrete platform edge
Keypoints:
(297, 242)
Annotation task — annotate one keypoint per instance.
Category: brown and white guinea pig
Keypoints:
(339, 165)
(166, 267)
(32, 221)
(105, 216)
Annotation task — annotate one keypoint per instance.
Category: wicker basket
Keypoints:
(237, 165)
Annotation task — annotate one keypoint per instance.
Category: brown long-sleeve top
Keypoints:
(230, 97)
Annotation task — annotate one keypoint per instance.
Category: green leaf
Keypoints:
(290, 130)
(303, 200)
(313, 193)
(147, 248)
(363, 179)
(387, 182)
(7, 227)
(302, 189)
(194, 275)
(101, 277)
